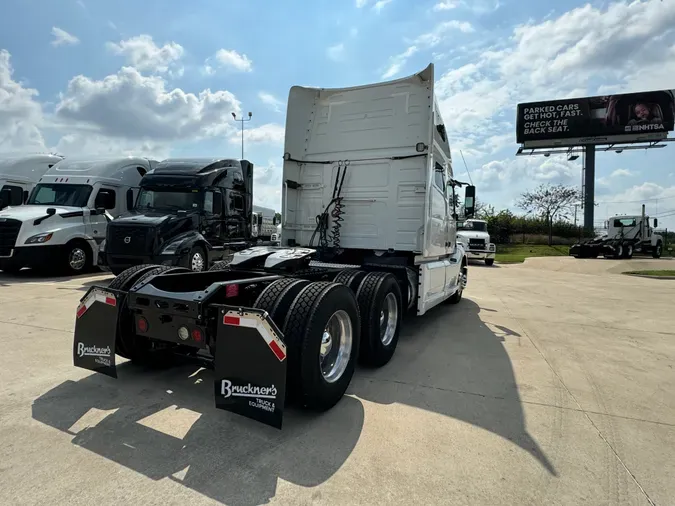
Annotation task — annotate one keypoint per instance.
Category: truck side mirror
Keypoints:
(656, 222)
(469, 201)
(105, 199)
(217, 203)
(5, 197)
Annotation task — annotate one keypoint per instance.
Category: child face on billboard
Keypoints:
(642, 111)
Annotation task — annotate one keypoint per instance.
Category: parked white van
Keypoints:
(64, 220)
(18, 175)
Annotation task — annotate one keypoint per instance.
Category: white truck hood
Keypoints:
(31, 212)
(473, 234)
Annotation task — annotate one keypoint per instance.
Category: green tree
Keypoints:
(550, 202)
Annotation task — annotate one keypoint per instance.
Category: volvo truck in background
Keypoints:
(369, 235)
(189, 213)
(18, 175)
(64, 220)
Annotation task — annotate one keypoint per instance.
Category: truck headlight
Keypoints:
(39, 238)
(491, 247)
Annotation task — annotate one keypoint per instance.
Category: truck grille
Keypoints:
(477, 244)
(9, 231)
(129, 240)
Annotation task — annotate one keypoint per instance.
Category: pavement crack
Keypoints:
(34, 326)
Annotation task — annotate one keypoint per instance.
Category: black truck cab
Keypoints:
(188, 212)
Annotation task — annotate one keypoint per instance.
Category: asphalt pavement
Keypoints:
(550, 383)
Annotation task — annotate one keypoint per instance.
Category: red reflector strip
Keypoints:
(111, 301)
(96, 296)
(230, 320)
(81, 309)
(281, 354)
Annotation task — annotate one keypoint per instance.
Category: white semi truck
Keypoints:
(64, 220)
(474, 236)
(626, 235)
(18, 175)
(369, 235)
(264, 223)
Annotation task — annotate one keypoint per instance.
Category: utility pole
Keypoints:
(242, 120)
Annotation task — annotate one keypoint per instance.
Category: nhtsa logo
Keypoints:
(227, 389)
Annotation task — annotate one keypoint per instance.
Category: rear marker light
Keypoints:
(183, 333)
(143, 324)
(231, 290)
(197, 335)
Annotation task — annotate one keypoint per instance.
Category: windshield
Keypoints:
(174, 200)
(477, 226)
(73, 195)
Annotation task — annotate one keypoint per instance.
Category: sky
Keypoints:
(160, 78)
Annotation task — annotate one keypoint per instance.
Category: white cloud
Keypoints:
(511, 175)
(20, 113)
(129, 105)
(572, 54)
(269, 133)
(142, 53)
(336, 52)
(63, 38)
(361, 3)
(267, 185)
(232, 60)
(380, 4)
(425, 41)
(86, 143)
(446, 5)
(621, 173)
(271, 101)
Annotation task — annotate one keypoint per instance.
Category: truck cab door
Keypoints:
(235, 215)
(212, 217)
(108, 201)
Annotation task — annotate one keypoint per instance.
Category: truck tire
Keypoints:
(278, 296)
(350, 277)
(379, 299)
(321, 331)
(489, 262)
(77, 257)
(657, 250)
(618, 253)
(628, 251)
(127, 278)
(198, 260)
(221, 265)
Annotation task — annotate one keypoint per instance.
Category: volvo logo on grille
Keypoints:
(127, 239)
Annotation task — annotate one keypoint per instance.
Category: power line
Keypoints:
(656, 199)
(466, 167)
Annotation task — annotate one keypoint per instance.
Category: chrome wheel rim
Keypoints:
(77, 259)
(336, 346)
(197, 263)
(388, 319)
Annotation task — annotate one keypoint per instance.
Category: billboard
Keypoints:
(629, 117)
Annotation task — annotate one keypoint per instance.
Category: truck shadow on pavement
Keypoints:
(163, 424)
(451, 363)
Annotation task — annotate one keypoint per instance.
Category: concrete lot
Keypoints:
(551, 383)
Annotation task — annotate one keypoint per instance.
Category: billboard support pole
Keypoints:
(589, 187)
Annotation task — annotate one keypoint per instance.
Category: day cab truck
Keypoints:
(264, 223)
(369, 235)
(474, 236)
(626, 235)
(18, 175)
(64, 220)
(189, 213)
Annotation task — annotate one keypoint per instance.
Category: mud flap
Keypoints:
(250, 365)
(96, 329)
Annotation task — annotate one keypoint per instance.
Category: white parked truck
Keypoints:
(369, 235)
(474, 236)
(64, 220)
(626, 235)
(264, 223)
(276, 236)
(18, 175)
